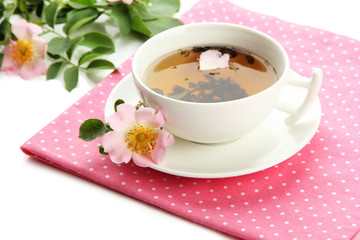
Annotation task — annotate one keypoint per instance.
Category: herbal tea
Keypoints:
(179, 75)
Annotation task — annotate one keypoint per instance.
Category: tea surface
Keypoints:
(177, 76)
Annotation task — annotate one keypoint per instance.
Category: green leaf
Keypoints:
(62, 14)
(78, 4)
(53, 70)
(5, 32)
(102, 151)
(51, 12)
(120, 13)
(58, 45)
(9, 10)
(96, 52)
(162, 23)
(100, 64)
(108, 128)
(142, 8)
(78, 18)
(73, 44)
(71, 76)
(53, 56)
(137, 24)
(22, 6)
(34, 2)
(1, 59)
(164, 7)
(91, 129)
(97, 39)
(118, 102)
(39, 9)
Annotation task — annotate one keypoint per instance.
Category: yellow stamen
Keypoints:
(22, 51)
(141, 140)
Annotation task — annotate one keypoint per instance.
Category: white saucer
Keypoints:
(269, 144)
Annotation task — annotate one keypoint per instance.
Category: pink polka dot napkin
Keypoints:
(313, 195)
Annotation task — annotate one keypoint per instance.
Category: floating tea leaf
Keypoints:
(158, 90)
(250, 59)
(179, 92)
(213, 90)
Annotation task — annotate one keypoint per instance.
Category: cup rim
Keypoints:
(245, 99)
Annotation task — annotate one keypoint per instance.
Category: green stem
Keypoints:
(71, 63)
(49, 30)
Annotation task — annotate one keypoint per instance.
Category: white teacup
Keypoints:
(222, 121)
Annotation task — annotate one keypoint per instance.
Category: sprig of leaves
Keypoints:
(94, 128)
(72, 52)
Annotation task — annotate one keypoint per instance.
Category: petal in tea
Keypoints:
(212, 59)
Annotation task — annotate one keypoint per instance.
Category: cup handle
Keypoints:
(312, 85)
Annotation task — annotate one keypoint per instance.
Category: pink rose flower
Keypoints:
(136, 136)
(24, 56)
(128, 2)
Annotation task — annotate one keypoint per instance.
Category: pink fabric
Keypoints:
(313, 195)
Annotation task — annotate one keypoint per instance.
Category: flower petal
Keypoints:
(36, 68)
(9, 66)
(212, 59)
(149, 116)
(21, 28)
(114, 145)
(159, 154)
(165, 138)
(128, 2)
(40, 47)
(142, 161)
(124, 116)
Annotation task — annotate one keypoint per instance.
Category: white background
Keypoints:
(41, 202)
